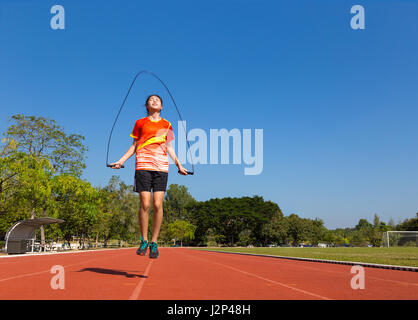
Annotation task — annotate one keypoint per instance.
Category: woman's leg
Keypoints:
(157, 218)
(145, 199)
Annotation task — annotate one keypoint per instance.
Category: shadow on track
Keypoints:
(113, 272)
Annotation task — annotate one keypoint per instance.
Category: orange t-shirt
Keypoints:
(152, 156)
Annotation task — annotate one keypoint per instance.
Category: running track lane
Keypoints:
(184, 274)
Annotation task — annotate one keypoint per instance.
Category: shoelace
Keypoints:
(153, 246)
(144, 244)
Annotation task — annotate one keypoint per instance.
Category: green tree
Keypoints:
(358, 238)
(408, 225)
(275, 231)
(43, 137)
(363, 224)
(181, 230)
(121, 205)
(376, 221)
(228, 217)
(176, 201)
(376, 233)
(298, 230)
(77, 204)
(341, 236)
(27, 192)
(210, 239)
(245, 238)
(33, 150)
(10, 165)
(316, 231)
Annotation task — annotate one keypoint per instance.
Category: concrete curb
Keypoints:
(352, 263)
(48, 253)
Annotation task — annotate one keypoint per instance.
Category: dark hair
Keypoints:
(153, 95)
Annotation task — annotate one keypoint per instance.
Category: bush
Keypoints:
(410, 244)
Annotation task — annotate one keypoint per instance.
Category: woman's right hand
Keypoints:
(116, 165)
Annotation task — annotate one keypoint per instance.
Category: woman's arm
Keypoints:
(172, 154)
(126, 156)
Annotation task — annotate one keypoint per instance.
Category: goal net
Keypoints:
(400, 238)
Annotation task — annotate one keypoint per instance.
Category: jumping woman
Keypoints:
(152, 142)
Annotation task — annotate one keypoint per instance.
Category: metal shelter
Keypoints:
(21, 232)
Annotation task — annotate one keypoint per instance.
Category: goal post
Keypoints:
(400, 238)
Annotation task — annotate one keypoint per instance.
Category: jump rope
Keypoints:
(123, 103)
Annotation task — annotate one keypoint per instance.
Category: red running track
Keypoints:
(185, 274)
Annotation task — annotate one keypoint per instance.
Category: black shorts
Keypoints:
(147, 180)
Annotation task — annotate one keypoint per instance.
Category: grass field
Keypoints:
(400, 256)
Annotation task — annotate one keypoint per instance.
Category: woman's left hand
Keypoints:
(182, 171)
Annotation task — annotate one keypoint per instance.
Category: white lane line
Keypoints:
(135, 294)
(304, 266)
(48, 271)
(352, 263)
(350, 275)
(266, 279)
(51, 253)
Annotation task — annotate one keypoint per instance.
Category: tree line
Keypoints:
(254, 221)
(40, 175)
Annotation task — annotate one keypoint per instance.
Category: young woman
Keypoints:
(152, 142)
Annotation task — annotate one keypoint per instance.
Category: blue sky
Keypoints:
(338, 107)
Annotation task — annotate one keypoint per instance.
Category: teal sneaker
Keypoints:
(142, 250)
(153, 250)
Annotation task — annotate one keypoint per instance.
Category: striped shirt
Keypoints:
(151, 152)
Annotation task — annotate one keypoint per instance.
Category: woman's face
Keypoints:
(154, 103)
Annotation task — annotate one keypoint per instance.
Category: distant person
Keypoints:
(152, 142)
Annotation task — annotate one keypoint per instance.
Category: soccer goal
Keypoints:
(400, 238)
